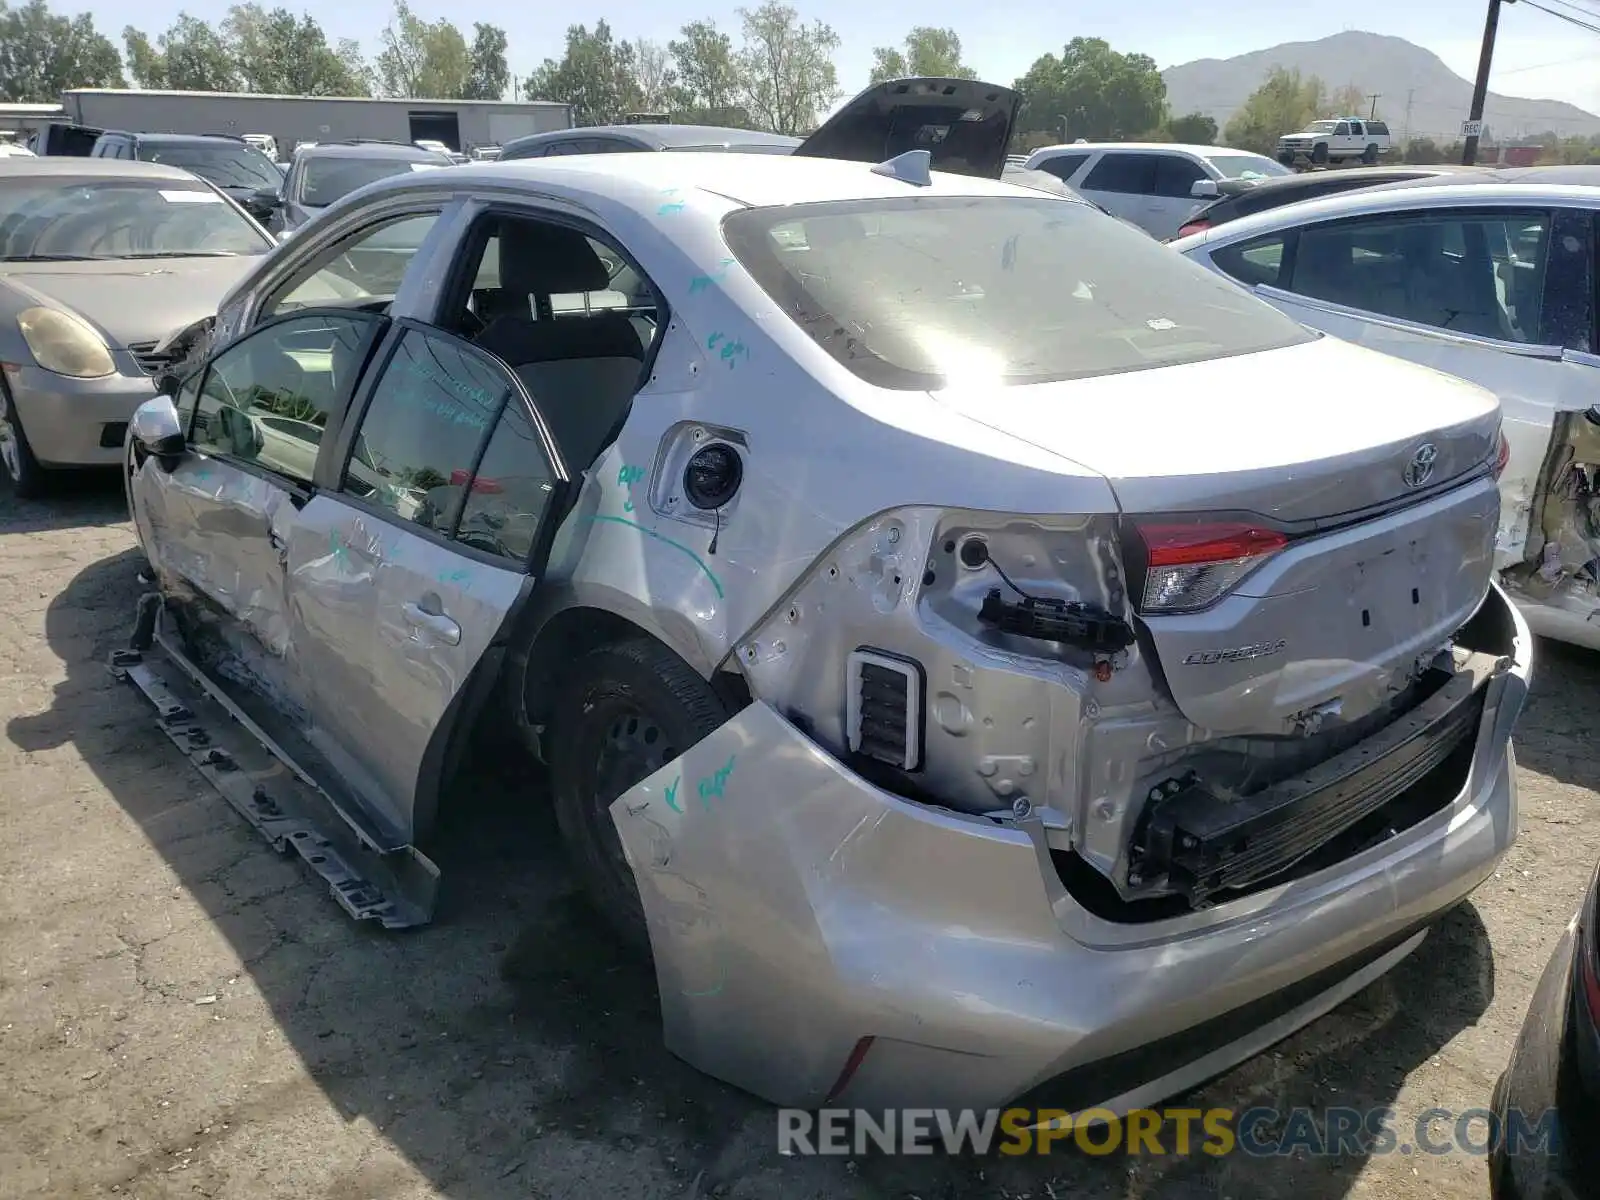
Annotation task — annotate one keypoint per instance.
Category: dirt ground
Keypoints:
(184, 1013)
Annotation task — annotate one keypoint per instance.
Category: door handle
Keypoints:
(442, 627)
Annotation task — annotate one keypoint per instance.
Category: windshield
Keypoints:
(227, 165)
(924, 293)
(327, 178)
(63, 219)
(1322, 126)
(1246, 166)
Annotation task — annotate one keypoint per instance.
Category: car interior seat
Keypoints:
(581, 369)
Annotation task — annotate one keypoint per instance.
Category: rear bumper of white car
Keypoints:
(818, 940)
(76, 422)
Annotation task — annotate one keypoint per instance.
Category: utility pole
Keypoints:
(1480, 87)
(1373, 96)
(1405, 137)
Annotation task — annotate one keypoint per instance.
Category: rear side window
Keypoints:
(1378, 128)
(925, 293)
(1255, 262)
(1118, 172)
(1063, 166)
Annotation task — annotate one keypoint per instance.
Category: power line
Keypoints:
(1561, 16)
(1560, 62)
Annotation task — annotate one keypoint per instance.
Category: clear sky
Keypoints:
(1537, 54)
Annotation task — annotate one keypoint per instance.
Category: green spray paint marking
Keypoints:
(339, 550)
(701, 282)
(672, 795)
(626, 478)
(714, 783)
(732, 348)
(679, 546)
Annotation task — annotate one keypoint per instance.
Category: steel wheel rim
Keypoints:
(632, 748)
(10, 446)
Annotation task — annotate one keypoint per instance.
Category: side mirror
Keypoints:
(267, 198)
(156, 430)
(1205, 189)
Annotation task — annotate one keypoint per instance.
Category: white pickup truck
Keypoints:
(1339, 139)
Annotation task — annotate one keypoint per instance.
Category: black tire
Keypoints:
(1319, 153)
(1370, 154)
(1286, 157)
(623, 711)
(28, 479)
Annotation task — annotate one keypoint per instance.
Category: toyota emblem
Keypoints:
(1420, 469)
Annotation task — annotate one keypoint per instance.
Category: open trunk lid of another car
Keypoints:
(964, 124)
(1356, 510)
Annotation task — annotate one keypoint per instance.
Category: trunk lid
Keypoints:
(964, 124)
(1364, 480)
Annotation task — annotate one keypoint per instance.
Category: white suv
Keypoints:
(1155, 186)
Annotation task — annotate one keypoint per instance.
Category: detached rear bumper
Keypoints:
(796, 910)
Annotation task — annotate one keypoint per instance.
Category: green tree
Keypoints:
(488, 73)
(708, 75)
(1423, 150)
(655, 79)
(278, 52)
(422, 59)
(42, 54)
(596, 75)
(1195, 129)
(1282, 104)
(1347, 101)
(787, 67)
(1095, 91)
(191, 56)
(927, 51)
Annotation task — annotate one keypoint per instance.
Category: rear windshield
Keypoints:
(228, 166)
(327, 178)
(922, 293)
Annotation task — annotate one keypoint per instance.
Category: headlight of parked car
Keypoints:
(65, 344)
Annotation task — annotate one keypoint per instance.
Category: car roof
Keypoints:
(72, 166)
(661, 137)
(1307, 179)
(1180, 147)
(651, 184)
(198, 138)
(1573, 176)
(390, 150)
(1439, 192)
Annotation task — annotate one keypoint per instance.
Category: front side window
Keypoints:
(228, 166)
(430, 414)
(1478, 273)
(1177, 175)
(928, 292)
(1131, 174)
(325, 178)
(266, 399)
(365, 267)
(44, 218)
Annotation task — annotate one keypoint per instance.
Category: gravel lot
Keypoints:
(184, 1013)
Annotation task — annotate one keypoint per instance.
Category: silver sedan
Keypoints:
(100, 260)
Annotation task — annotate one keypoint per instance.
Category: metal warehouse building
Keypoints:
(459, 124)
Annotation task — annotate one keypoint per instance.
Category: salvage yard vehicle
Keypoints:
(327, 172)
(953, 707)
(99, 260)
(1553, 1077)
(1342, 139)
(1492, 280)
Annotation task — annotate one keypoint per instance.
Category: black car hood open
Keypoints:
(963, 123)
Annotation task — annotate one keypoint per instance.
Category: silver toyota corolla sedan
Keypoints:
(958, 666)
(100, 260)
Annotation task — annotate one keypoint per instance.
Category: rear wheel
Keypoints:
(16, 456)
(1370, 154)
(625, 711)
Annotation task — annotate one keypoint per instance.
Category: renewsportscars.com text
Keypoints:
(1256, 1132)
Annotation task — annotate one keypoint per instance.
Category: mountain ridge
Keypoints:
(1400, 72)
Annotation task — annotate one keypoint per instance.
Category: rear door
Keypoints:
(425, 539)
(1123, 182)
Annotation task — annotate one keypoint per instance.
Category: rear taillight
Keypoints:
(1193, 227)
(1502, 456)
(1191, 566)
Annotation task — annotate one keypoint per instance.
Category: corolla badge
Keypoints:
(1419, 469)
(1235, 654)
